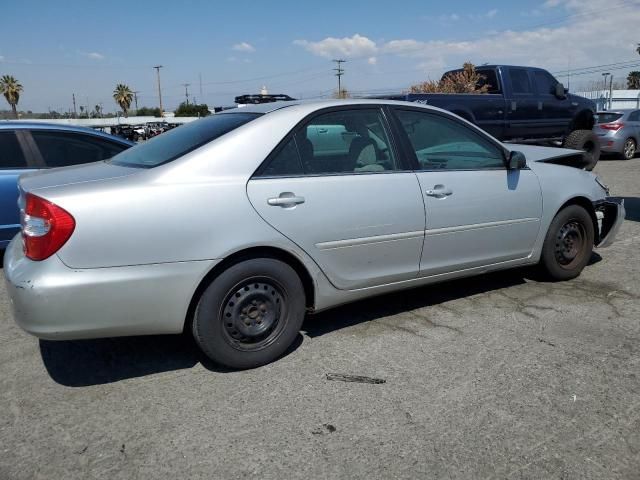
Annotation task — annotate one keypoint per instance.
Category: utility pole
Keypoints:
(339, 72)
(605, 74)
(75, 112)
(200, 80)
(186, 91)
(158, 67)
(135, 99)
(610, 91)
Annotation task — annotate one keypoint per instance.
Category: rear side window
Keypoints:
(181, 140)
(520, 81)
(11, 155)
(545, 83)
(61, 149)
(490, 79)
(634, 116)
(608, 117)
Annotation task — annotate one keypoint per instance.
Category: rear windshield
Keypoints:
(181, 140)
(608, 117)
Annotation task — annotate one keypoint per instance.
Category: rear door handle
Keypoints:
(439, 191)
(285, 200)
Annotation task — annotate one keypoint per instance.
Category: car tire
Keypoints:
(568, 244)
(250, 314)
(586, 141)
(629, 149)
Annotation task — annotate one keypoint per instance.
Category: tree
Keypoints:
(192, 110)
(148, 112)
(11, 89)
(466, 80)
(123, 96)
(633, 80)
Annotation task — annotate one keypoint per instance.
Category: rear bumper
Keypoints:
(611, 144)
(52, 301)
(614, 213)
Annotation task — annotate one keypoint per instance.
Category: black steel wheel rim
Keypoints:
(570, 243)
(253, 313)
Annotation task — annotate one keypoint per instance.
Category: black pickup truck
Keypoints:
(523, 104)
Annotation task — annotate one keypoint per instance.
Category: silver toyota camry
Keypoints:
(235, 226)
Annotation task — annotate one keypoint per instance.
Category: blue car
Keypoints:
(29, 146)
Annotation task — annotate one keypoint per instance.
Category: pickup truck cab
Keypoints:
(522, 103)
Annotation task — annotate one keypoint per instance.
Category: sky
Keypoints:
(224, 49)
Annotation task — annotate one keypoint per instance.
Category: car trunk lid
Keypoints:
(74, 174)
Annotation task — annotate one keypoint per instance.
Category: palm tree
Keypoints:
(633, 80)
(123, 96)
(11, 88)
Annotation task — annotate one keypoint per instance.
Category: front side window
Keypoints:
(61, 149)
(520, 83)
(545, 83)
(11, 155)
(181, 140)
(441, 143)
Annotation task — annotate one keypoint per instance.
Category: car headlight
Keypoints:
(603, 185)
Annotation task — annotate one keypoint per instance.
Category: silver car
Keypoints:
(619, 132)
(235, 226)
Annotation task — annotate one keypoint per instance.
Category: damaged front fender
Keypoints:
(610, 214)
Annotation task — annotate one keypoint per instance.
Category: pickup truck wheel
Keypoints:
(568, 244)
(629, 149)
(250, 314)
(587, 141)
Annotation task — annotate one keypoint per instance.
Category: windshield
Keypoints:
(608, 117)
(175, 143)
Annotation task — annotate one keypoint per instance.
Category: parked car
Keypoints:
(523, 103)
(619, 132)
(25, 147)
(236, 225)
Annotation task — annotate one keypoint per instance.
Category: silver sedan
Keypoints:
(235, 226)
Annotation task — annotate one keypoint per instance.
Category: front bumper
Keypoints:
(613, 216)
(55, 302)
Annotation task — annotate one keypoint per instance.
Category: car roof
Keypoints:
(317, 104)
(26, 125)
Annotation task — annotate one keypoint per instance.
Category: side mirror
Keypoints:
(560, 92)
(517, 161)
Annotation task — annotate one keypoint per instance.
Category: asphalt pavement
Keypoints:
(499, 376)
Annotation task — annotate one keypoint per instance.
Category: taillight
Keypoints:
(45, 227)
(611, 126)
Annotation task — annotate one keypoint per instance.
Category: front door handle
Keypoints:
(439, 191)
(285, 200)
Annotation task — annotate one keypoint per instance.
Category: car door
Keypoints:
(478, 212)
(634, 122)
(15, 160)
(359, 215)
(557, 113)
(524, 110)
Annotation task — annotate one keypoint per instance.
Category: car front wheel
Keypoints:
(250, 314)
(568, 245)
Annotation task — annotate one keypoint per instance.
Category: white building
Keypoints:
(619, 99)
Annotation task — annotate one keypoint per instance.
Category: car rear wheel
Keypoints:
(629, 149)
(250, 314)
(568, 245)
